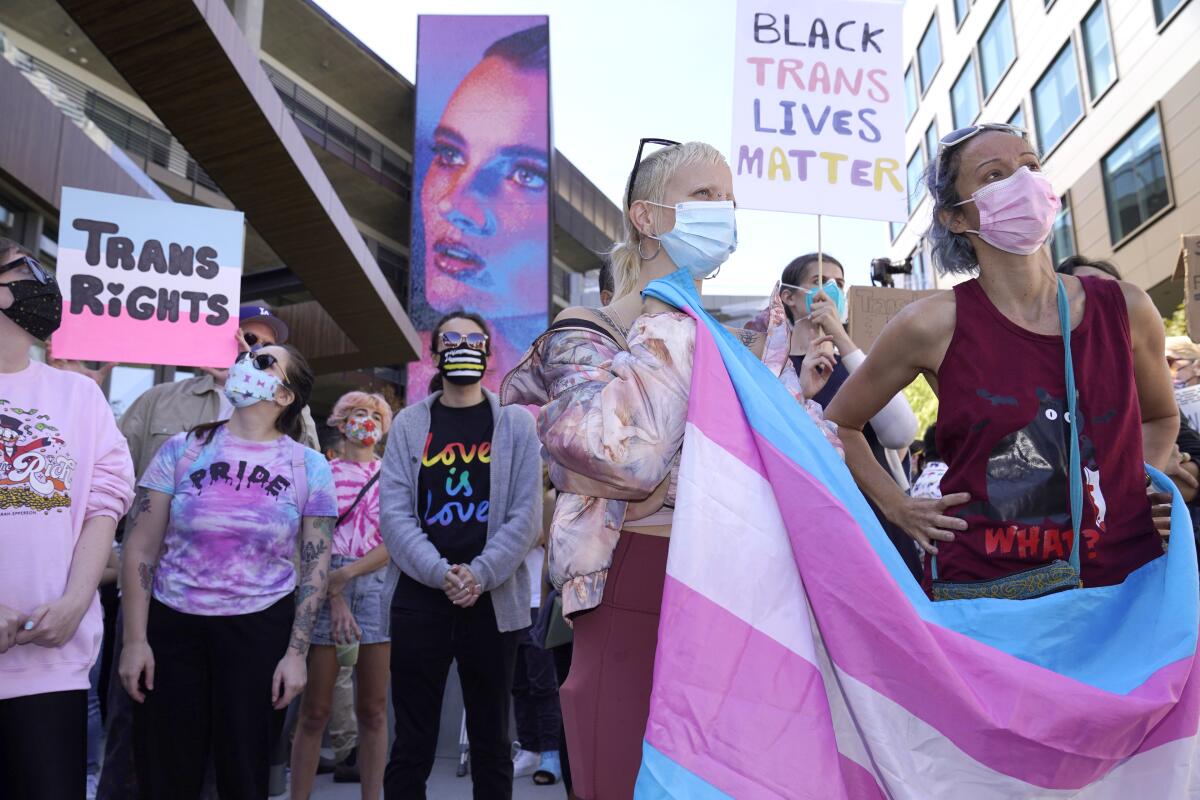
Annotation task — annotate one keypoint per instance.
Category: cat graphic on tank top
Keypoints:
(1028, 471)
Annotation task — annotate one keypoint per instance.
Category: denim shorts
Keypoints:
(366, 596)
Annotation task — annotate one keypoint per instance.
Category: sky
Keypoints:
(622, 70)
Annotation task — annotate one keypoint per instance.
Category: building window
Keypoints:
(919, 279)
(1098, 51)
(1163, 9)
(997, 51)
(126, 384)
(964, 96)
(1057, 104)
(961, 9)
(911, 98)
(1135, 179)
(1062, 235)
(1018, 117)
(931, 140)
(929, 54)
(8, 219)
(894, 229)
(916, 187)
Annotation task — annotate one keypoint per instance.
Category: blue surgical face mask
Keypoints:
(247, 384)
(704, 236)
(831, 290)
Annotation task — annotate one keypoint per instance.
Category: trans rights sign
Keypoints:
(148, 282)
(818, 117)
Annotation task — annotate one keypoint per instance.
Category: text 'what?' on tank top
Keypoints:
(1002, 430)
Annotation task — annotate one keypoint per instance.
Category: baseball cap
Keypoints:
(265, 316)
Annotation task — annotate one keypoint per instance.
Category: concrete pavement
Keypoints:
(443, 785)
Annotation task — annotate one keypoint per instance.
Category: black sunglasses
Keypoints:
(453, 339)
(638, 162)
(262, 362)
(39, 274)
(253, 341)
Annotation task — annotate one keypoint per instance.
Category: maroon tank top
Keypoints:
(1001, 429)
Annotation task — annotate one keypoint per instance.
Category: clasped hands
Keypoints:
(461, 586)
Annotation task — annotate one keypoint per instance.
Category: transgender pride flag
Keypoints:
(797, 657)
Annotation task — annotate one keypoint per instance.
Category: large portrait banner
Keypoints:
(482, 189)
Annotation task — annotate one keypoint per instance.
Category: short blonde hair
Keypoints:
(1183, 348)
(653, 174)
(351, 401)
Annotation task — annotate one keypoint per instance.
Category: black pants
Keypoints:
(535, 697)
(43, 746)
(118, 780)
(562, 668)
(212, 694)
(424, 643)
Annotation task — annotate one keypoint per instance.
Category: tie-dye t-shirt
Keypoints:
(234, 524)
(359, 532)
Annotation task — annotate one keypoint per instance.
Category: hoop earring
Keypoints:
(652, 255)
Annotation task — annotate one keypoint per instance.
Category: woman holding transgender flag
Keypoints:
(993, 349)
(614, 387)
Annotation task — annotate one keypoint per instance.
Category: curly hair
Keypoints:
(348, 403)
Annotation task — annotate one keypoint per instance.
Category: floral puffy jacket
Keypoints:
(612, 423)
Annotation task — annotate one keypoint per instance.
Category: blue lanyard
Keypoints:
(1064, 321)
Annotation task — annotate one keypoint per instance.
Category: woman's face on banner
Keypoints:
(484, 199)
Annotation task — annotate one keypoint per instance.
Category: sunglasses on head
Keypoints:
(39, 274)
(261, 361)
(453, 339)
(638, 162)
(956, 137)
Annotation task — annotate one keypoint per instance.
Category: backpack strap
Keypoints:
(299, 475)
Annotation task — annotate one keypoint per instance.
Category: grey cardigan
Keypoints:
(513, 522)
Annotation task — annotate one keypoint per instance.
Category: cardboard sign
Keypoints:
(148, 282)
(871, 307)
(1189, 266)
(1188, 399)
(818, 108)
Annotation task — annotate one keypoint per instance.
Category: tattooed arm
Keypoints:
(146, 527)
(292, 672)
(753, 340)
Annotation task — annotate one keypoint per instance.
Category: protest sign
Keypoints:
(818, 116)
(148, 282)
(871, 307)
(1189, 267)
(1188, 400)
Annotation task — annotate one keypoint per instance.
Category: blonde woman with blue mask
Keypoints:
(614, 387)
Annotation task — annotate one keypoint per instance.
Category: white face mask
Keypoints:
(247, 385)
(704, 236)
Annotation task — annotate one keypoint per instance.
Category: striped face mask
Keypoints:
(462, 365)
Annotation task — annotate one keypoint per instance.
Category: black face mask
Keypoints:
(36, 308)
(463, 365)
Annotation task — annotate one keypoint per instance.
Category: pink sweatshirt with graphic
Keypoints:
(62, 462)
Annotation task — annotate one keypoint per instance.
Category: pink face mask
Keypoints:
(1017, 213)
